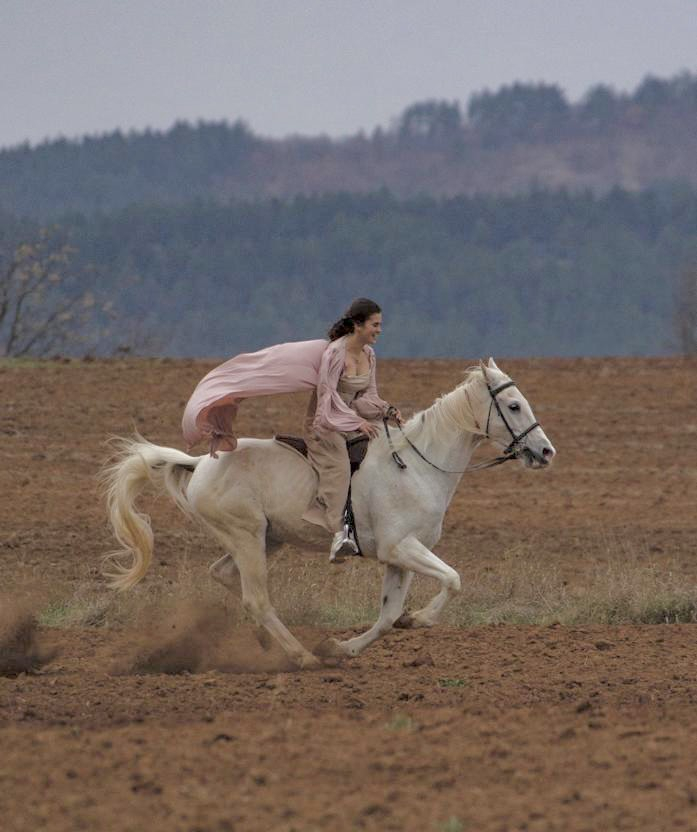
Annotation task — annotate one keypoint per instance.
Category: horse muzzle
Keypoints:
(537, 459)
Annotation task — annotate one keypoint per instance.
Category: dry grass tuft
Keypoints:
(626, 587)
(310, 591)
(94, 605)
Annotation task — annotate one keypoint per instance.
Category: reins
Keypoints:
(512, 451)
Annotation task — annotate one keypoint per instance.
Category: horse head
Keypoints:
(506, 419)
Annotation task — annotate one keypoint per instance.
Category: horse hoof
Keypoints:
(405, 621)
(308, 662)
(330, 649)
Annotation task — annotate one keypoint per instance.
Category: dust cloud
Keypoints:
(197, 638)
(20, 648)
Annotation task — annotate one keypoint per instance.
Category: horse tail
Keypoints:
(137, 463)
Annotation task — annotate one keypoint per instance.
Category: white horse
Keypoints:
(252, 499)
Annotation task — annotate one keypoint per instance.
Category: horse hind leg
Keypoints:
(248, 555)
(225, 572)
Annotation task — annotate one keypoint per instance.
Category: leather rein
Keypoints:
(511, 451)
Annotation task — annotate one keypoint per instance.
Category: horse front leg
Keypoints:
(410, 553)
(395, 585)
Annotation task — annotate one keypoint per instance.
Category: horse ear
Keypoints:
(492, 364)
(482, 367)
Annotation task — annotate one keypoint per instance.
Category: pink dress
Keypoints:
(282, 368)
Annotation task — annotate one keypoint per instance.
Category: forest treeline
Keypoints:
(545, 273)
(508, 141)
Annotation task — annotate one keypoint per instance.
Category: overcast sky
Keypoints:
(70, 67)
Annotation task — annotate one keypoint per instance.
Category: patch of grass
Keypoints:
(452, 683)
(29, 363)
(309, 591)
(74, 613)
(346, 615)
(22, 363)
(519, 588)
(401, 722)
(522, 589)
(452, 824)
(94, 605)
(652, 601)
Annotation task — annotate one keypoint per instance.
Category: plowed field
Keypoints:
(161, 711)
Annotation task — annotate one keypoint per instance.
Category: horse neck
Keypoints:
(449, 435)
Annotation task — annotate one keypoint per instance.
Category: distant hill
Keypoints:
(541, 274)
(518, 138)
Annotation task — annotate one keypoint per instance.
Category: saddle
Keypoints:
(356, 448)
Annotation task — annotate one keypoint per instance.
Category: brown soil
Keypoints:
(184, 722)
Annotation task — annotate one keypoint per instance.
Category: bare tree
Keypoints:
(686, 311)
(44, 307)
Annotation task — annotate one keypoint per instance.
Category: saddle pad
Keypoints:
(356, 447)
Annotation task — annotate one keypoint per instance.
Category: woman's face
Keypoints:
(369, 331)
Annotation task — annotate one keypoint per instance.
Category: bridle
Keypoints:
(512, 448)
(511, 451)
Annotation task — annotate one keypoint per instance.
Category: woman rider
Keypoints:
(344, 404)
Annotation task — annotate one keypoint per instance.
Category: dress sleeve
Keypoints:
(368, 404)
(332, 412)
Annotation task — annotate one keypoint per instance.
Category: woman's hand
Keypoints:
(394, 414)
(369, 429)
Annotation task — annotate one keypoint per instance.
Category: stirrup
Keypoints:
(343, 545)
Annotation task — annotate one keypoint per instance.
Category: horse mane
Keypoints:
(450, 411)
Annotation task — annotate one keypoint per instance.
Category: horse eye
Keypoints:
(514, 406)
